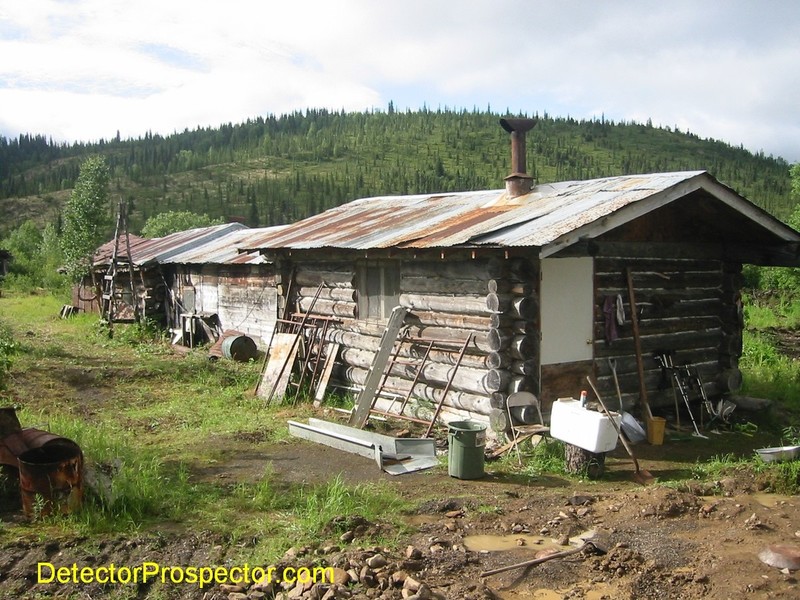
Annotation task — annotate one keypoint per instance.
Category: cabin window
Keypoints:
(378, 289)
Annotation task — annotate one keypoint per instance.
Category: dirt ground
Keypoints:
(681, 538)
(699, 541)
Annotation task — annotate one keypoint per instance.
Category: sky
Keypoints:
(82, 70)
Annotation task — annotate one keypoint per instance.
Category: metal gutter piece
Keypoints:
(393, 455)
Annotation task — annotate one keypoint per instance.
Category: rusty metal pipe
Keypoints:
(519, 182)
(518, 128)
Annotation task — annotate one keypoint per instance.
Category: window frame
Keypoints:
(377, 279)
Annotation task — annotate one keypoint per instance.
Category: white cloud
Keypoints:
(83, 69)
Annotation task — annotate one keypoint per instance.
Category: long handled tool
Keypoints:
(629, 425)
(637, 344)
(640, 475)
(537, 561)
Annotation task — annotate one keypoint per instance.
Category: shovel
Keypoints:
(641, 476)
(629, 425)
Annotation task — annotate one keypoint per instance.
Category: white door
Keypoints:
(567, 310)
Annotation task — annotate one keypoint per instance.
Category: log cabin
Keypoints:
(141, 286)
(535, 278)
(235, 290)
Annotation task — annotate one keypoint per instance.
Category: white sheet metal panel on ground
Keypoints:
(396, 456)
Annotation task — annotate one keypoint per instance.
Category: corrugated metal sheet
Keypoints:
(377, 222)
(147, 250)
(473, 218)
(226, 249)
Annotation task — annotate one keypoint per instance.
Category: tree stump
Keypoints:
(579, 461)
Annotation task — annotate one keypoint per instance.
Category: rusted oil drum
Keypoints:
(240, 348)
(51, 478)
(9, 488)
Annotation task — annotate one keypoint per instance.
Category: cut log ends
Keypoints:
(731, 380)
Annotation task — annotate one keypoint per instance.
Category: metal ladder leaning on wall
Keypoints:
(394, 337)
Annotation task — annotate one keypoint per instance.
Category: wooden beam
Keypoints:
(367, 395)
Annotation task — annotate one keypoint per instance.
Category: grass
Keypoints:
(767, 372)
(545, 457)
(779, 478)
(301, 515)
(150, 422)
(764, 311)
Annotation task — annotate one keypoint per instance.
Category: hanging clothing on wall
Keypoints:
(613, 316)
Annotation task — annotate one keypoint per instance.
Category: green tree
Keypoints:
(23, 243)
(86, 216)
(36, 258)
(782, 278)
(51, 258)
(795, 174)
(176, 220)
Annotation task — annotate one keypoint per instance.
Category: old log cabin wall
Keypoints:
(489, 299)
(150, 292)
(244, 297)
(690, 307)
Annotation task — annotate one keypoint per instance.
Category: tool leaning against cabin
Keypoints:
(640, 475)
(630, 426)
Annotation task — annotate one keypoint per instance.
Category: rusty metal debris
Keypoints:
(48, 467)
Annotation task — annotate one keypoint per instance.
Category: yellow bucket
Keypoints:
(655, 430)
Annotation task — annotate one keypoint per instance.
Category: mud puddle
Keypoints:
(501, 543)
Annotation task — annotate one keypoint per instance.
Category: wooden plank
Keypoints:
(282, 354)
(367, 395)
(322, 386)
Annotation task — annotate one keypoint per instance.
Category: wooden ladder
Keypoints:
(110, 295)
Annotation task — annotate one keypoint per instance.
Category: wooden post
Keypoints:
(637, 345)
(367, 395)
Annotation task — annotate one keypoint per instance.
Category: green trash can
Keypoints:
(466, 441)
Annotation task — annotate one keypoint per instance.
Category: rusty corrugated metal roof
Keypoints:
(104, 253)
(226, 249)
(467, 219)
(150, 250)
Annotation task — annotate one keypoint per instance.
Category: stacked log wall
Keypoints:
(687, 306)
(151, 293)
(491, 301)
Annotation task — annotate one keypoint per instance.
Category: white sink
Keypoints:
(587, 429)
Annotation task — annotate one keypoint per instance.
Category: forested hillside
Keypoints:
(273, 170)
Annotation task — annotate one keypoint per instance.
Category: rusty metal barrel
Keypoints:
(240, 348)
(51, 478)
